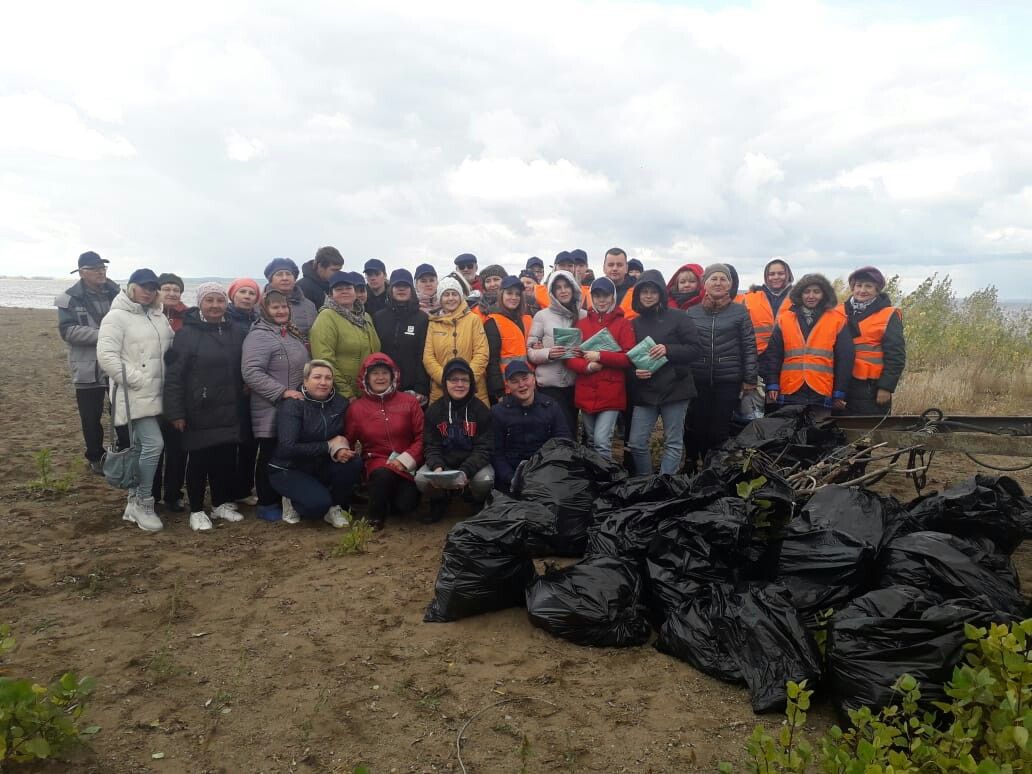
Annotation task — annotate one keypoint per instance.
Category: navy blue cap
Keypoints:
(374, 264)
(528, 274)
(423, 269)
(346, 278)
(280, 264)
(511, 282)
(604, 285)
(465, 259)
(90, 260)
(515, 368)
(563, 257)
(144, 277)
(401, 277)
(535, 261)
(579, 257)
(634, 263)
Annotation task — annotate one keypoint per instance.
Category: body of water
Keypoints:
(40, 293)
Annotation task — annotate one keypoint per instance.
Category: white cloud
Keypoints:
(756, 171)
(512, 179)
(240, 148)
(34, 123)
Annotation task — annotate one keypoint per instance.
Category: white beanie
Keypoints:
(207, 288)
(449, 283)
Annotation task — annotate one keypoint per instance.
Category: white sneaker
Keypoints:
(337, 517)
(145, 517)
(129, 514)
(199, 521)
(227, 512)
(290, 514)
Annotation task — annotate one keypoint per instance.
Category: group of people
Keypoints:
(301, 394)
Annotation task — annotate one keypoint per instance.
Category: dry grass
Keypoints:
(965, 388)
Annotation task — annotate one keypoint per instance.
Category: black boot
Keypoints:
(437, 511)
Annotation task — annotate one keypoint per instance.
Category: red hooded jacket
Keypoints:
(391, 423)
(604, 390)
(671, 287)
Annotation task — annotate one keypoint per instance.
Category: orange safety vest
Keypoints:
(542, 297)
(762, 315)
(514, 341)
(870, 361)
(810, 361)
(628, 312)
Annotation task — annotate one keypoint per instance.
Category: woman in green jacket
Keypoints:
(343, 333)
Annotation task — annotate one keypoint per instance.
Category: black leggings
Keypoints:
(709, 419)
(564, 397)
(266, 494)
(243, 478)
(215, 467)
(390, 493)
(168, 481)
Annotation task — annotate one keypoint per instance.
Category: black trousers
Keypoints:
(244, 480)
(90, 402)
(390, 493)
(262, 486)
(171, 474)
(564, 397)
(709, 420)
(214, 467)
(861, 399)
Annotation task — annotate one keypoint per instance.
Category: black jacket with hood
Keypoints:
(457, 435)
(773, 357)
(402, 332)
(728, 344)
(672, 327)
(203, 384)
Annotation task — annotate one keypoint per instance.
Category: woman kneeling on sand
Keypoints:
(313, 466)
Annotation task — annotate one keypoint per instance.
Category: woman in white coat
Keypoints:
(135, 335)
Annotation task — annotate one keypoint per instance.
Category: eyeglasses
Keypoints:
(458, 379)
(93, 268)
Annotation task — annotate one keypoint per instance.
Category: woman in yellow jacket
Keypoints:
(455, 331)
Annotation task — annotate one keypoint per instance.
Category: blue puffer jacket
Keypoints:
(520, 431)
(302, 429)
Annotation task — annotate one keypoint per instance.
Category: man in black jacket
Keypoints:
(316, 274)
(401, 326)
(79, 312)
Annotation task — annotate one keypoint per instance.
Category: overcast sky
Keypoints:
(206, 138)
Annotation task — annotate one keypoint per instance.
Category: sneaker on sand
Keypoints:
(337, 517)
(96, 467)
(290, 514)
(227, 512)
(129, 514)
(145, 517)
(199, 521)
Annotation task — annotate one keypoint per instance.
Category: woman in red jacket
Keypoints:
(600, 391)
(389, 425)
(685, 288)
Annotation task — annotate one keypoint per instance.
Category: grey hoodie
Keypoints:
(553, 373)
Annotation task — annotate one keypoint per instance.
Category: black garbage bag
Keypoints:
(652, 488)
(540, 522)
(566, 477)
(872, 517)
(753, 635)
(894, 631)
(953, 567)
(690, 632)
(596, 602)
(704, 546)
(983, 507)
(627, 532)
(790, 434)
(484, 568)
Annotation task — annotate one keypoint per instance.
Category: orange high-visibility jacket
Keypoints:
(810, 361)
(869, 362)
(514, 340)
(762, 315)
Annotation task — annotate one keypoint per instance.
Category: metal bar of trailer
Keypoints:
(1012, 426)
(972, 443)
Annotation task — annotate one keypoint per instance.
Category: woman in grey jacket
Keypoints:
(554, 379)
(272, 365)
(727, 366)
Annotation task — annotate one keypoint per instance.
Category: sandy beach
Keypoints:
(253, 648)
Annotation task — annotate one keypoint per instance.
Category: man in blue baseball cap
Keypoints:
(523, 420)
(466, 265)
(537, 268)
(376, 281)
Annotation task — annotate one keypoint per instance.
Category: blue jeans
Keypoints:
(323, 484)
(147, 450)
(599, 429)
(643, 419)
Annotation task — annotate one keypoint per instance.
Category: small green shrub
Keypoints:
(984, 729)
(354, 540)
(47, 482)
(36, 721)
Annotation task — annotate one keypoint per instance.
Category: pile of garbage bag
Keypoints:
(736, 574)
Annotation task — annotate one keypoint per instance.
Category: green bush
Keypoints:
(984, 729)
(36, 721)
